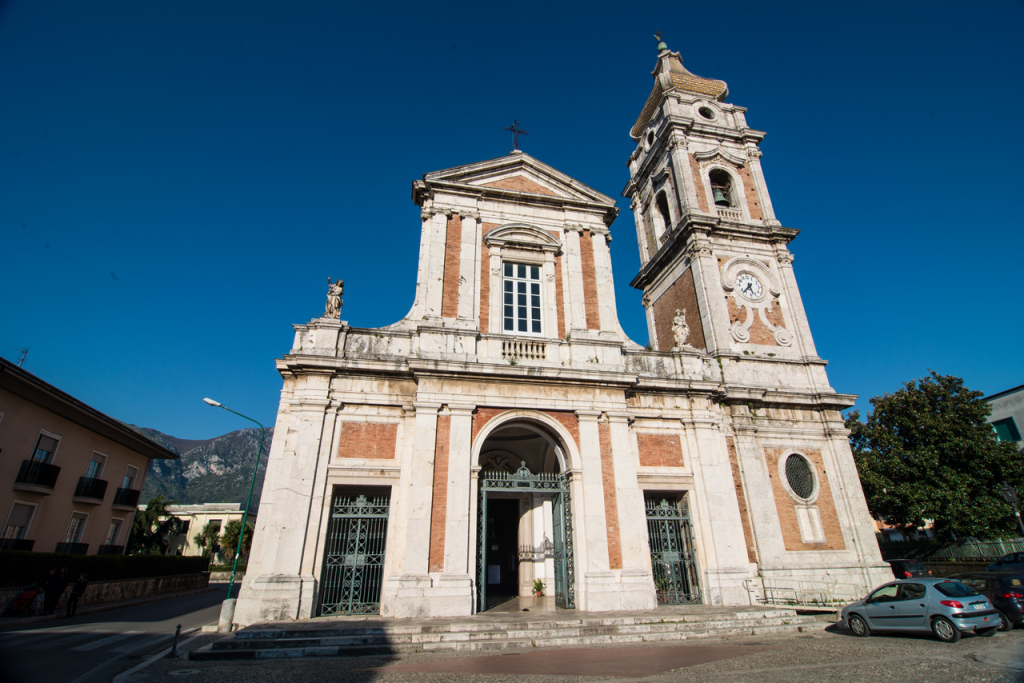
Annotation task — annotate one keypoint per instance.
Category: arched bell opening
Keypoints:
(524, 519)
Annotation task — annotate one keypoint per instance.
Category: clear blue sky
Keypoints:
(178, 179)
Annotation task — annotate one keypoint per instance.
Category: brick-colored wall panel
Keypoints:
(369, 440)
(681, 294)
(786, 505)
(485, 280)
(660, 450)
(452, 254)
(589, 281)
(698, 181)
(559, 298)
(439, 500)
(520, 184)
(750, 192)
(741, 497)
(611, 508)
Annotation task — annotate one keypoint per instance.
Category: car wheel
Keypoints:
(944, 630)
(1006, 624)
(859, 626)
(987, 632)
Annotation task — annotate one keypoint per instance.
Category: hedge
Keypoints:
(21, 568)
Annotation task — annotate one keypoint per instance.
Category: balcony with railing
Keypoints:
(72, 548)
(16, 544)
(110, 550)
(731, 214)
(37, 477)
(125, 499)
(90, 490)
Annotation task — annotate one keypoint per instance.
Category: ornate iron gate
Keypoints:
(673, 559)
(353, 573)
(525, 481)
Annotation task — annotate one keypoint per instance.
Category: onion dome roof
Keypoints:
(670, 75)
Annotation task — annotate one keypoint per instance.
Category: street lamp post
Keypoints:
(227, 610)
(1010, 496)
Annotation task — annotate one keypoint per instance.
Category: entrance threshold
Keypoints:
(531, 604)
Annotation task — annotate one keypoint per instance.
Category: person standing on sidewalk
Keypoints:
(76, 592)
(51, 594)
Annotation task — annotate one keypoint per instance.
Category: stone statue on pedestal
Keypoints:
(334, 291)
(680, 330)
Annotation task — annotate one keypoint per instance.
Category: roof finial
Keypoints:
(661, 43)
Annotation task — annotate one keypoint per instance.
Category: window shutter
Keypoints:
(20, 515)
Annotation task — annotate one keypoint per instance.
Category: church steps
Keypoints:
(342, 640)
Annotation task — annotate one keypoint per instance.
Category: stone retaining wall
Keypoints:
(98, 592)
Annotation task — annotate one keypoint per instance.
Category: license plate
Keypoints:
(978, 605)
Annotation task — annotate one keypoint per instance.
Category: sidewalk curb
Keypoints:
(104, 607)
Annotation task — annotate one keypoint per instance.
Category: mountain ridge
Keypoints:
(217, 470)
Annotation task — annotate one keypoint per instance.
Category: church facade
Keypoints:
(508, 433)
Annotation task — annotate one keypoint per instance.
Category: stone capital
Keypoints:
(588, 415)
(465, 409)
(424, 407)
(618, 418)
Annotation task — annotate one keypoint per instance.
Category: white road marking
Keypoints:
(105, 641)
(140, 643)
(59, 639)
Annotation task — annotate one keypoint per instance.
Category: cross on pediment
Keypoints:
(516, 132)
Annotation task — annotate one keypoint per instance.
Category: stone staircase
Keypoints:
(340, 637)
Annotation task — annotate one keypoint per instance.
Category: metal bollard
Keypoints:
(174, 648)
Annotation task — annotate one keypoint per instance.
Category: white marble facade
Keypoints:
(413, 409)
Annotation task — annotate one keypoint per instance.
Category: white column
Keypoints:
(637, 590)
(276, 588)
(494, 273)
(605, 284)
(791, 299)
(714, 313)
(572, 265)
(469, 266)
(435, 265)
(767, 210)
(726, 564)
(460, 493)
(593, 492)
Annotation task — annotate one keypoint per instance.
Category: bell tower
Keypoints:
(710, 245)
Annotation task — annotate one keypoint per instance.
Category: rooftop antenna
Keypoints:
(24, 355)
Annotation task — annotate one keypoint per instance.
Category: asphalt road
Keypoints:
(96, 647)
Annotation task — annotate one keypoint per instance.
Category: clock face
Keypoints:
(749, 286)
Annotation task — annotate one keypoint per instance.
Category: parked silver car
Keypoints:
(945, 607)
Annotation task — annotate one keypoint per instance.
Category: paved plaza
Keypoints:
(822, 657)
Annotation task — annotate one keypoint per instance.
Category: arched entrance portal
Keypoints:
(524, 517)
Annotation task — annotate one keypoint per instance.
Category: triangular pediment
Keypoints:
(520, 173)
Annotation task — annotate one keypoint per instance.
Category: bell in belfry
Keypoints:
(720, 198)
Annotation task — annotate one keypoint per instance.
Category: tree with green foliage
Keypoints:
(208, 538)
(229, 540)
(153, 528)
(927, 452)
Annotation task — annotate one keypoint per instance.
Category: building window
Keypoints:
(721, 188)
(521, 306)
(95, 468)
(800, 477)
(662, 216)
(113, 533)
(46, 446)
(1006, 430)
(129, 477)
(76, 528)
(18, 521)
